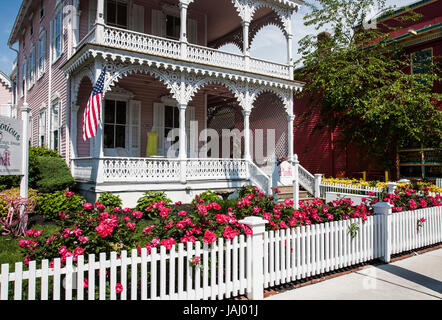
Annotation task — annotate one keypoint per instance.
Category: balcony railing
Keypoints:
(145, 43)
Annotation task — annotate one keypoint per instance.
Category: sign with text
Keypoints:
(286, 173)
(11, 146)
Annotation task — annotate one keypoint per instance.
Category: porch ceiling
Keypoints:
(222, 17)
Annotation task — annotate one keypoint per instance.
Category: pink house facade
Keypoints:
(164, 73)
(6, 97)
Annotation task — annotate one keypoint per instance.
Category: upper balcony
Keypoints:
(190, 30)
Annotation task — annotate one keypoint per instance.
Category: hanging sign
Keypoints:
(11, 147)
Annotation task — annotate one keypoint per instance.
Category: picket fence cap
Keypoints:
(254, 221)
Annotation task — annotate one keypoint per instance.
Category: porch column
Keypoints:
(290, 139)
(246, 114)
(183, 33)
(183, 142)
(290, 61)
(99, 22)
(98, 140)
(246, 46)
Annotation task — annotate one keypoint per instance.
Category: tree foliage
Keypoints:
(361, 81)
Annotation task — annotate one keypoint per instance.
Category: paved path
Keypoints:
(415, 278)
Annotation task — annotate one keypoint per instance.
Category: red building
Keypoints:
(319, 151)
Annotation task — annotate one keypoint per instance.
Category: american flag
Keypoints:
(92, 113)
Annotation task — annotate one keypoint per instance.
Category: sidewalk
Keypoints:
(415, 278)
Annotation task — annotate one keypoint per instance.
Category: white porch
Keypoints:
(182, 179)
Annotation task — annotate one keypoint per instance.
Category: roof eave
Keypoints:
(13, 37)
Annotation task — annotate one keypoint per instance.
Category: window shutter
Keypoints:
(134, 127)
(192, 30)
(92, 14)
(138, 18)
(158, 23)
(158, 126)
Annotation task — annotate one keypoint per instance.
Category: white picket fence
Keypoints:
(242, 266)
(405, 234)
(307, 251)
(346, 188)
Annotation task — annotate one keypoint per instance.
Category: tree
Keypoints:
(359, 80)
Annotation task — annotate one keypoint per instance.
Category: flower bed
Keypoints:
(405, 199)
(98, 228)
(419, 185)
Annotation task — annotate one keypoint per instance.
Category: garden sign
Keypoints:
(286, 173)
(11, 146)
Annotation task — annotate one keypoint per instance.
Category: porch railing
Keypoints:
(146, 43)
(158, 170)
(155, 170)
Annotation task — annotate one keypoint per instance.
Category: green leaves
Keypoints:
(361, 82)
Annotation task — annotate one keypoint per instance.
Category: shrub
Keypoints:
(110, 200)
(54, 175)
(406, 199)
(8, 182)
(49, 205)
(206, 198)
(35, 175)
(145, 203)
(86, 231)
(43, 152)
(33, 194)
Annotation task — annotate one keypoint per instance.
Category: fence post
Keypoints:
(296, 182)
(318, 180)
(258, 228)
(384, 209)
(391, 187)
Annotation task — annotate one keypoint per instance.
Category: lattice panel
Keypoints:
(269, 113)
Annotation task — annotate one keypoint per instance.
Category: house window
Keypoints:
(116, 14)
(23, 78)
(41, 54)
(31, 71)
(42, 129)
(173, 27)
(42, 9)
(171, 120)
(55, 126)
(57, 35)
(115, 123)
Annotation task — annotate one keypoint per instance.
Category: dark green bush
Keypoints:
(208, 197)
(9, 182)
(43, 152)
(50, 204)
(54, 175)
(110, 200)
(150, 198)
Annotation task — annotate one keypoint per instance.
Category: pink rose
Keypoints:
(88, 206)
(119, 288)
(209, 237)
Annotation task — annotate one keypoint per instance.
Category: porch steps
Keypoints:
(287, 193)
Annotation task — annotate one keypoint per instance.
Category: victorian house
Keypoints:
(165, 72)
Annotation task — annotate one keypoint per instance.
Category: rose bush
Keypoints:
(405, 199)
(91, 230)
(97, 228)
